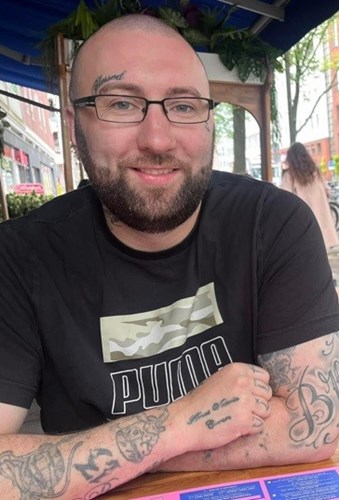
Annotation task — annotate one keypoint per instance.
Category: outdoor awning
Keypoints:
(24, 23)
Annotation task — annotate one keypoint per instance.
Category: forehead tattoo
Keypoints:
(103, 79)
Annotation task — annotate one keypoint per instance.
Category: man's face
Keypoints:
(151, 175)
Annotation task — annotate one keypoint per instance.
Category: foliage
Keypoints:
(203, 28)
(223, 117)
(303, 59)
(22, 204)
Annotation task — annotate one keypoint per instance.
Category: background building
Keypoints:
(31, 136)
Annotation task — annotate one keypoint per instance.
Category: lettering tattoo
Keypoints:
(217, 406)
(213, 423)
(103, 79)
(312, 392)
(317, 414)
(138, 438)
(43, 473)
(98, 465)
(331, 344)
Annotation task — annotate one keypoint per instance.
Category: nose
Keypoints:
(156, 133)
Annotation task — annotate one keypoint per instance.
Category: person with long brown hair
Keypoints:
(303, 178)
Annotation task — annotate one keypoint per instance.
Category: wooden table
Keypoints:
(151, 484)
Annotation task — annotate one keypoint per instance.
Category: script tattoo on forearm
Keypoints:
(137, 438)
(331, 344)
(43, 473)
(313, 393)
(208, 414)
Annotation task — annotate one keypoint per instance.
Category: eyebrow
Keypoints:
(138, 90)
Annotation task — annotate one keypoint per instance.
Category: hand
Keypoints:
(231, 403)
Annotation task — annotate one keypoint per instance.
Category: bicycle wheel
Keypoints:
(335, 214)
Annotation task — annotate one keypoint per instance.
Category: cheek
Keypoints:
(200, 143)
(104, 143)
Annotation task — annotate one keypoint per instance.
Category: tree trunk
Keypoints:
(239, 140)
(292, 104)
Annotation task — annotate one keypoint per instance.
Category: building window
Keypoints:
(36, 175)
(336, 33)
(24, 174)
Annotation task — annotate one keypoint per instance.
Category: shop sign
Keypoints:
(28, 188)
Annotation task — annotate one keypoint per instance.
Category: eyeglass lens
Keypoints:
(129, 109)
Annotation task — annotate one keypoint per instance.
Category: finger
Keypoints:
(262, 408)
(262, 388)
(257, 423)
(260, 372)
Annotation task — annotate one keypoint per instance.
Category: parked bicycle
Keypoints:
(334, 202)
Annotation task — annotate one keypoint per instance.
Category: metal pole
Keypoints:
(63, 94)
(3, 201)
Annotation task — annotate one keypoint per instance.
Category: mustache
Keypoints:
(150, 160)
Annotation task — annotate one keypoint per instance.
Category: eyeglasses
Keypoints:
(132, 109)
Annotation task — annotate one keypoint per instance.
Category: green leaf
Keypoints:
(172, 17)
(195, 38)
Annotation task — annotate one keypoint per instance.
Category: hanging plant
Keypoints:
(203, 28)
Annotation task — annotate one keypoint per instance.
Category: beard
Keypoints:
(156, 210)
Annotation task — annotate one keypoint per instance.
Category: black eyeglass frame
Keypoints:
(90, 101)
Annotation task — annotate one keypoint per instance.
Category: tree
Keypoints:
(301, 61)
(239, 140)
(223, 121)
(230, 123)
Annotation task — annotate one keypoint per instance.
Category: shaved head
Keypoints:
(131, 22)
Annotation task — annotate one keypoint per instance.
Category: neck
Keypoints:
(149, 242)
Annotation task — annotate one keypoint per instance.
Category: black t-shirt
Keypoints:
(95, 330)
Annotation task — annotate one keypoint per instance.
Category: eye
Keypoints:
(119, 103)
(182, 107)
(122, 105)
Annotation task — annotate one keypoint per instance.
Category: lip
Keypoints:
(156, 176)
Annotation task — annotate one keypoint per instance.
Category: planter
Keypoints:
(217, 72)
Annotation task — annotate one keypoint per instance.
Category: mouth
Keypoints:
(156, 177)
(156, 171)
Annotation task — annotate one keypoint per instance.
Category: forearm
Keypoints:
(86, 464)
(273, 446)
(303, 424)
(270, 447)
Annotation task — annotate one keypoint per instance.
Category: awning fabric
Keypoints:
(24, 23)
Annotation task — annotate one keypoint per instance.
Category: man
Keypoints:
(139, 309)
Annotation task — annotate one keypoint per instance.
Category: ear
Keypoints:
(70, 122)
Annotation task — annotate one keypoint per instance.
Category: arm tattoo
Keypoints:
(312, 392)
(278, 365)
(211, 416)
(138, 438)
(43, 473)
(99, 464)
(98, 490)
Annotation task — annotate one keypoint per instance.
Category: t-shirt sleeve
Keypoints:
(297, 300)
(20, 352)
